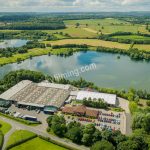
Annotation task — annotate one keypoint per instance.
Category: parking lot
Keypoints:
(107, 119)
(39, 115)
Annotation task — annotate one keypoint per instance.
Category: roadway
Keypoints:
(38, 130)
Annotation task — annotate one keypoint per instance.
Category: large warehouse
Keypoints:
(45, 96)
(110, 99)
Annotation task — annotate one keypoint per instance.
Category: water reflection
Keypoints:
(110, 72)
(12, 43)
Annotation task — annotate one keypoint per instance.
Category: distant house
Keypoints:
(81, 111)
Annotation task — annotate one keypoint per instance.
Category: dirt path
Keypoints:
(90, 30)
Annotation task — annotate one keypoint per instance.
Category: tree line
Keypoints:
(34, 25)
(14, 77)
(10, 51)
(100, 103)
(89, 136)
(110, 37)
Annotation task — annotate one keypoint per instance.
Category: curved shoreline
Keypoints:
(93, 44)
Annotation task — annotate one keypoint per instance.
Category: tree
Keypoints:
(49, 120)
(127, 145)
(138, 120)
(77, 25)
(147, 26)
(146, 123)
(88, 132)
(58, 125)
(117, 137)
(107, 135)
(96, 136)
(74, 132)
(140, 141)
(102, 145)
(148, 103)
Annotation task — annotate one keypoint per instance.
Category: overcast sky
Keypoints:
(73, 5)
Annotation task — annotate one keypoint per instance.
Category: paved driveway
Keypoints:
(38, 130)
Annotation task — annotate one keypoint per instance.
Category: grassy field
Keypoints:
(90, 27)
(134, 37)
(32, 52)
(108, 25)
(5, 127)
(95, 42)
(90, 42)
(142, 47)
(19, 135)
(38, 144)
(74, 32)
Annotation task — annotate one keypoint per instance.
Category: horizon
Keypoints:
(74, 5)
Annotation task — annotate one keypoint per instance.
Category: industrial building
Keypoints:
(44, 96)
(49, 97)
(110, 99)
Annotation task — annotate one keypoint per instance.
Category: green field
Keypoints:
(38, 144)
(96, 43)
(133, 37)
(91, 27)
(108, 25)
(90, 42)
(19, 135)
(142, 47)
(33, 52)
(5, 127)
(74, 32)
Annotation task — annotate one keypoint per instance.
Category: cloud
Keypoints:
(125, 2)
(74, 5)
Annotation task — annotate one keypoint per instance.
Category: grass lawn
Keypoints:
(19, 135)
(38, 144)
(5, 127)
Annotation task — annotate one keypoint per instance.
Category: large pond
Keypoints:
(110, 71)
(12, 43)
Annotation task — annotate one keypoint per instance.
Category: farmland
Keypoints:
(120, 33)
(92, 27)
(108, 25)
(90, 42)
(95, 42)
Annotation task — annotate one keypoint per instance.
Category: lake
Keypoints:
(110, 72)
(12, 43)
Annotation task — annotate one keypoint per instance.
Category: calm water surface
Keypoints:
(110, 72)
(12, 43)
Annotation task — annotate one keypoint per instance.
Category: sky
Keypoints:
(73, 5)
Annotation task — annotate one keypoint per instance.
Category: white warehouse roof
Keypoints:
(15, 89)
(108, 98)
(54, 85)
